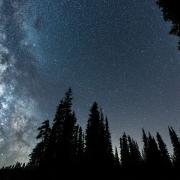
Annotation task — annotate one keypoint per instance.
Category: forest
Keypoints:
(65, 149)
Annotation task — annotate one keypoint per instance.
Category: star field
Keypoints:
(117, 53)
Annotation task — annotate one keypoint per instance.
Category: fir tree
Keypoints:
(108, 145)
(176, 147)
(151, 152)
(38, 154)
(95, 139)
(145, 143)
(135, 155)
(166, 161)
(125, 153)
(116, 159)
(61, 149)
(80, 146)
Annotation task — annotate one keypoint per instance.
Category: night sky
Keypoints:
(115, 52)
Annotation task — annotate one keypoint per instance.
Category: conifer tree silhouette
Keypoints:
(145, 143)
(165, 157)
(97, 146)
(151, 152)
(154, 156)
(61, 146)
(75, 142)
(93, 137)
(135, 155)
(176, 147)
(80, 147)
(64, 147)
(108, 145)
(116, 159)
(38, 154)
(125, 152)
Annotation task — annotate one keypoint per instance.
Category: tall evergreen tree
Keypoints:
(95, 138)
(61, 149)
(166, 161)
(135, 155)
(108, 145)
(75, 142)
(176, 147)
(38, 154)
(145, 147)
(125, 152)
(67, 148)
(116, 159)
(81, 146)
(151, 152)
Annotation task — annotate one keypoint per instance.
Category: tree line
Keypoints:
(63, 145)
(66, 144)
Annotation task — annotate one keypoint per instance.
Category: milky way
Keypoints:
(18, 115)
(115, 52)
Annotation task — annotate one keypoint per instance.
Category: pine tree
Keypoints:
(151, 152)
(145, 148)
(108, 145)
(166, 161)
(75, 141)
(44, 131)
(125, 152)
(80, 146)
(67, 147)
(176, 147)
(116, 159)
(38, 154)
(95, 142)
(61, 146)
(154, 153)
(135, 155)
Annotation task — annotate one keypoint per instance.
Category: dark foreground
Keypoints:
(31, 174)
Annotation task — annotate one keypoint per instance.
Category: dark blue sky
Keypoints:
(115, 52)
(118, 53)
